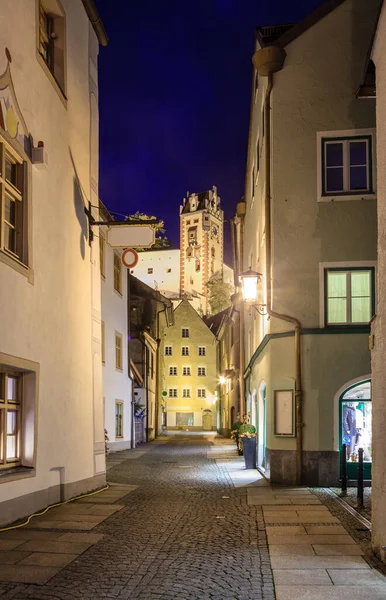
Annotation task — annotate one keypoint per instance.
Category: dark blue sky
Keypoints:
(174, 85)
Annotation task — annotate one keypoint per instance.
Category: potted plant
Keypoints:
(247, 434)
(235, 436)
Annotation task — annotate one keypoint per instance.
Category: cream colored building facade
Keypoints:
(310, 229)
(188, 371)
(379, 324)
(51, 410)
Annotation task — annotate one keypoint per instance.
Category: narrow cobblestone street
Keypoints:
(185, 533)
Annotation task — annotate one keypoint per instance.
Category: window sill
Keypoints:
(15, 473)
(343, 197)
(118, 369)
(118, 293)
(17, 266)
(52, 79)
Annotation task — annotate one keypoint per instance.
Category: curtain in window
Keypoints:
(360, 297)
(337, 297)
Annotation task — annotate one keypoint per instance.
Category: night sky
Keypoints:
(174, 91)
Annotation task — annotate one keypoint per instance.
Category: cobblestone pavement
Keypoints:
(185, 533)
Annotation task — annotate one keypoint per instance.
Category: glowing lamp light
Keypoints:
(249, 281)
(222, 379)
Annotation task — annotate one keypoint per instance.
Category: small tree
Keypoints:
(161, 241)
(219, 293)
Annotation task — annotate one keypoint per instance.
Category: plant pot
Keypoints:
(249, 451)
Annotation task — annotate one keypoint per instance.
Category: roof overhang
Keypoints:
(96, 21)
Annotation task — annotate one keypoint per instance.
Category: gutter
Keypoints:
(267, 61)
(96, 21)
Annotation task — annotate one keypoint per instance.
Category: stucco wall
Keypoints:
(379, 329)
(54, 321)
(160, 261)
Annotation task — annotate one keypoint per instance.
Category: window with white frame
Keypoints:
(168, 351)
(118, 419)
(10, 419)
(173, 371)
(172, 392)
(185, 332)
(201, 371)
(186, 393)
(201, 351)
(349, 295)
(117, 273)
(347, 165)
(185, 351)
(201, 392)
(186, 371)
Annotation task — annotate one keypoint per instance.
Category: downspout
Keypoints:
(132, 443)
(158, 376)
(239, 242)
(267, 61)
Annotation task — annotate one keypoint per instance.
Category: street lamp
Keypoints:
(222, 379)
(249, 282)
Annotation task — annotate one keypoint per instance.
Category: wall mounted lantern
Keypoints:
(249, 282)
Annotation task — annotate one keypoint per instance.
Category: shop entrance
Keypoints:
(355, 416)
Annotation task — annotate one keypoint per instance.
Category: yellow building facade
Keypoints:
(188, 372)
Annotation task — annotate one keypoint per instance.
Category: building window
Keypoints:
(52, 40)
(117, 273)
(118, 351)
(119, 419)
(186, 371)
(198, 266)
(103, 342)
(201, 351)
(195, 221)
(185, 351)
(201, 392)
(102, 248)
(168, 270)
(173, 371)
(186, 393)
(184, 419)
(347, 165)
(13, 205)
(172, 393)
(168, 351)
(150, 270)
(10, 419)
(213, 252)
(185, 332)
(349, 296)
(201, 371)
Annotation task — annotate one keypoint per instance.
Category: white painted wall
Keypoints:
(379, 326)
(117, 384)
(160, 261)
(55, 321)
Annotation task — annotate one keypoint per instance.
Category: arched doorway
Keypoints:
(207, 419)
(262, 427)
(355, 422)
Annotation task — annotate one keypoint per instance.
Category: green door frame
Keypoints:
(352, 468)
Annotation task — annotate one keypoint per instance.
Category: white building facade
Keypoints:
(51, 410)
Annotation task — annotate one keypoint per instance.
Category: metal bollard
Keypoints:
(344, 470)
(360, 477)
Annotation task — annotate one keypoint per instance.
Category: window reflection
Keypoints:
(356, 422)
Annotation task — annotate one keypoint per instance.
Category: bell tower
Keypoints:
(201, 242)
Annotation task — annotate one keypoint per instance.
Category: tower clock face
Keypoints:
(214, 230)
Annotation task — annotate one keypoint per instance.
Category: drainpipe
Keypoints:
(267, 61)
(239, 225)
(158, 354)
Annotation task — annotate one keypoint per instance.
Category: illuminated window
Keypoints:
(119, 419)
(12, 205)
(52, 40)
(118, 351)
(349, 296)
(117, 273)
(10, 419)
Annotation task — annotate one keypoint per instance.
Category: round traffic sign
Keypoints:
(129, 258)
(164, 393)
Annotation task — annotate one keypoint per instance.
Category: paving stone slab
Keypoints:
(55, 547)
(325, 529)
(284, 518)
(69, 517)
(338, 550)
(75, 525)
(279, 538)
(319, 562)
(291, 550)
(26, 574)
(45, 559)
(286, 530)
(349, 577)
(302, 577)
(10, 544)
(25, 535)
(92, 538)
(11, 557)
(296, 507)
(335, 592)
(308, 501)
(256, 501)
